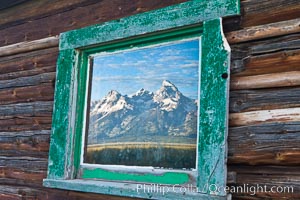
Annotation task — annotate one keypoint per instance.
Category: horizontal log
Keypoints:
(25, 73)
(42, 92)
(36, 144)
(258, 12)
(263, 116)
(39, 108)
(29, 60)
(25, 192)
(266, 170)
(28, 81)
(288, 187)
(79, 17)
(284, 43)
(264, 31)
(25, 163)
(34, 10)
(265, 144)
(265, 46)
(282, 61)
(264, 54)
(263, 99)
(25, 123)
(29, 46)
(28, 177)
(273, 80)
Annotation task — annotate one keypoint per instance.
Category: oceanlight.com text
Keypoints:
(212, 189)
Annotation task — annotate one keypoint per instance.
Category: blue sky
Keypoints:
(129, 71)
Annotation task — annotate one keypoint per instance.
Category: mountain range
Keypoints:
(162, 116)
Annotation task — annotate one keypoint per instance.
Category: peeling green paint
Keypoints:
(197, 17)
(166, 178)
(60, 119)
(183, 14)
(214, 109)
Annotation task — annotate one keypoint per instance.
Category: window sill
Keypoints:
(137, 190)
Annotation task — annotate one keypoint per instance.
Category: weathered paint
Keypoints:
(70, 92)
(160, 192)
(61, 127)
(166, 178)
(213, 121)
(183, 14)
(140, 174)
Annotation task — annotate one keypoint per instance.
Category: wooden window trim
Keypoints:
(65, 145)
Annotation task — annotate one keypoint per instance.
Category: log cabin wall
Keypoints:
(264, 135)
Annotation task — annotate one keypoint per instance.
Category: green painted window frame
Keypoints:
(201, 18)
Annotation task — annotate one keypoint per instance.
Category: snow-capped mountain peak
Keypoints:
(142, 92)
(167, 96)
(112, 102)
(167, 83)
(167, 111)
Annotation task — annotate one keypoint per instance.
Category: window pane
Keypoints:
(144, 107)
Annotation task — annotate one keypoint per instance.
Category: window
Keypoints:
(141, 105)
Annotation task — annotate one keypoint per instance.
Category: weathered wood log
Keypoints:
(28, 81)
(18, 74)
(25, 123)
(258, 12)
(263, 116)
(42, 92)
(288, 186)
(24, 177)
(287, 42)
(268, 45)
(263, 99)
(265, 170)
(268, 143)
(34, 144)
(34, 10)
(282, 61)
(20, 63)
(273, 80)
(19, 162)
(34, 109)
(264, 31)
(41, 193)
(78, 17)
(29, 46)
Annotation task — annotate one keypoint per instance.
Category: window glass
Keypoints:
(143, 106)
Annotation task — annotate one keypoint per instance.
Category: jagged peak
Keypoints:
(167, 83)
(113, 93)
(142, 92)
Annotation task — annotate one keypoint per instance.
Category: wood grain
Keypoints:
(264, 99)
(31, 10)
(29, 46)
(259, 57)
(259, 12)
(28, 81)
(21, 123)
(15, 66)
(41, 92)
(263, 116)
(9, 192)
(265, 144)
(78, 17)
(42, 108)
(273, 80)
(264, 31)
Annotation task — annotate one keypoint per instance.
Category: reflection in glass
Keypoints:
(144, 107)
